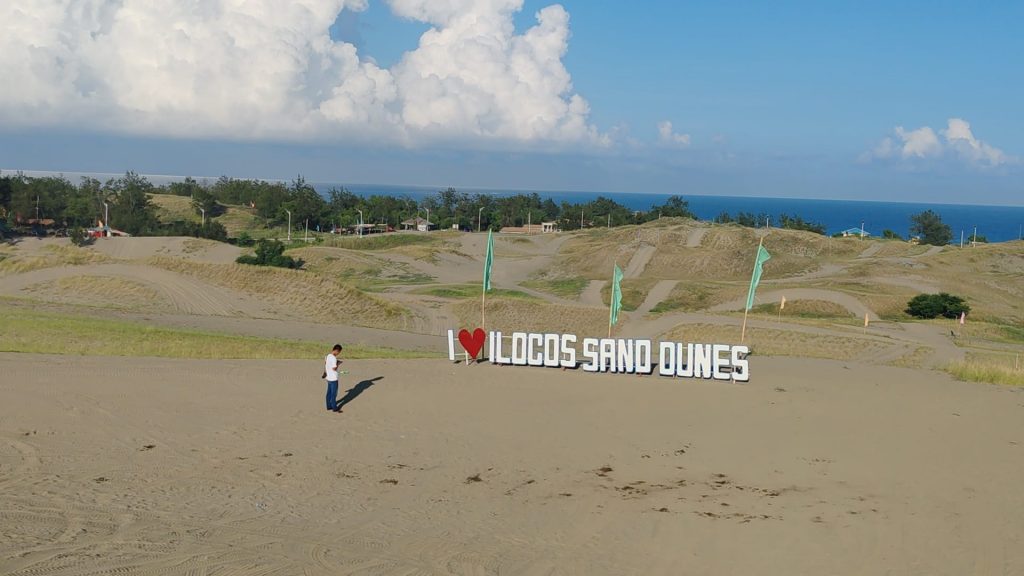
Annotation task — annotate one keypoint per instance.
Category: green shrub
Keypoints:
(270, 253)
(79, 237)
(935, 305)
(245, 240)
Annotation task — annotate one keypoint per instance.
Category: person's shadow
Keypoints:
(354, 392)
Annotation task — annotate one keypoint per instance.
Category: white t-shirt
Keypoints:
(331, 367)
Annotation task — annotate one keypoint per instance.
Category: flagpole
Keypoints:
(488, 260)
(746, 310)
(611, 299)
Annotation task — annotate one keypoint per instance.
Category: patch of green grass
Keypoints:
(462, 291)
(46, 333)
(561, 287)
(634, 291)
(1013, 333)
(988, 369)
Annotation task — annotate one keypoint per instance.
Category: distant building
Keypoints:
(855, 232)
(417, 223)
(542, 228)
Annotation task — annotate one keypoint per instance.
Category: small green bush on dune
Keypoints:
(934, 305)
(270, 253)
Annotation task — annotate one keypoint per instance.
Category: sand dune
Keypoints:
(213, 467)
(184, 294)
(853, 466)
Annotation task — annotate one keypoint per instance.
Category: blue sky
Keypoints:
(865, 100)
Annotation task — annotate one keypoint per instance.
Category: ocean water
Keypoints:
(996, 223)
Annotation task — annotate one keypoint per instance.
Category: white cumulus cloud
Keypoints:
(667, 135)
(269, 69)
(962, 141)
(957, 142)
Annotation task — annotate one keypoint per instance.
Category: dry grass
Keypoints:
(692, 296)
(314, 296)
(335, 261)
(36, 332)
(171, 208)
(990, 277)
(886, 300)
(19, 261)
(897, 249)
(518, 315)
(238, 219)
(772, 342)
(804, 309)
(992, 368)
(235, 219)
(103, 292)
(727, 252)
(592, 254)
(975, 332)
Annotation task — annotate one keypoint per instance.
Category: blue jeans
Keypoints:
(332, 394)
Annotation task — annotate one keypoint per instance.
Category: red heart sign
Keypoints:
(474, 342)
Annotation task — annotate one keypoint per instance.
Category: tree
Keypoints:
(890, 235)
(79, 237)
(130, 209)
(305, 204)
(929, 227)
(203, 201)
(187, 187)
(935, 305)
(270, 253)
(674, 207)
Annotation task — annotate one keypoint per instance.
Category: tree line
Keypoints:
(24, 201)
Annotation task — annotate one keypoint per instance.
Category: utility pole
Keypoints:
(305, 237)
(974, 242)
(479, 217)
(581, 218)
(203, 210)
(961, 238)
(289, 224)
(529, 222)
(609, 219)
(37, 208)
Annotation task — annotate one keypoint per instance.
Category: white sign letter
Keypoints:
(590, 353)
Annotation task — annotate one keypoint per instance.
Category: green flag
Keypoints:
(613, 317)
(762, 257)
(488, 260)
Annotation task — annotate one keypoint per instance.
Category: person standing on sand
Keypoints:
(331, 375)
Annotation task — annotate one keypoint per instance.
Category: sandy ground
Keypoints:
(152, 466)
(145, 466)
